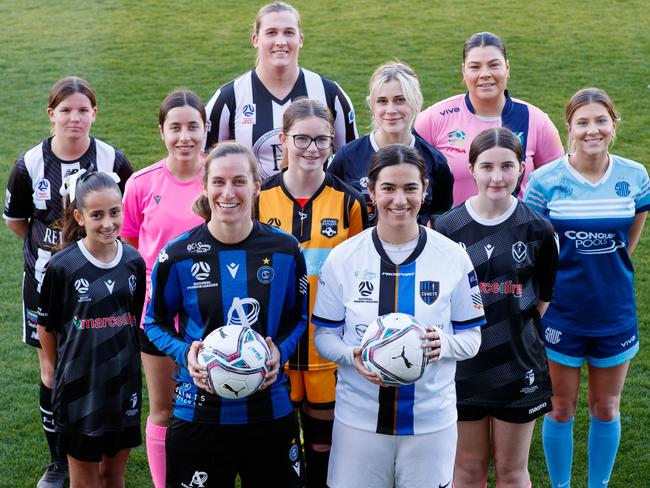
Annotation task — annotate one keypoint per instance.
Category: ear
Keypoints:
(78, 216)
(470, 168)
(50, 114)
(162, 135)
(302, 40)
(255, 40)
(258, 187)
(94, 113)
(283, 138)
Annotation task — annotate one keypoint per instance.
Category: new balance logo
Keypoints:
(110, 284)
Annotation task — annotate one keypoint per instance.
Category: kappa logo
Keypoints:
(519, 252)
(243, 311)
(81, 285)
(110, 284)
(366, 288)
(132, 284)
(488, 250)
(198, 247)
(232, 269)
(274, 221)
(329, 227)
(200, 271)
(198, 480)
(429, 291)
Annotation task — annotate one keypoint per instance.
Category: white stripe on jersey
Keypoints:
(105, 157)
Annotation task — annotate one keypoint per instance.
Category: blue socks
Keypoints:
(557, 439)
(604, 438)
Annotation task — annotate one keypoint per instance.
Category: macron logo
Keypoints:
(232, 268)
(110, 284)
(488, 249)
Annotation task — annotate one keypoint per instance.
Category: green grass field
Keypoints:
(134, 53)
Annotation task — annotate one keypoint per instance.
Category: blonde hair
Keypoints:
(408, 80)
(584, 97)
(274, 7)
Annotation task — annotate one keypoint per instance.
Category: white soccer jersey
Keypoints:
(436, 284)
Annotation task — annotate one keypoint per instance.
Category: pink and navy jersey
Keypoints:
(437, 285)
(260, 281)
(594, 289)
(244, 110)
(158, 208)
(452, 124)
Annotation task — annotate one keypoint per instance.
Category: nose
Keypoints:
(184, 134)
(228, 189)
(484, 72)
(497, 175)
(400, 197)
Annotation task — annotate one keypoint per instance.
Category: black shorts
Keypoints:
(147, 346)
(263, 454)
(517, 415)
(31, 298)
(92, 449)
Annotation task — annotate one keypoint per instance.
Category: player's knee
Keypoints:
(511, 474)
(469, 472)
(159, 416)
(564, 409)
(605, 409)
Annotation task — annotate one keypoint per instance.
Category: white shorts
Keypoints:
(366, 459)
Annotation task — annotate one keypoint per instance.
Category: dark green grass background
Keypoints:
(134, 53)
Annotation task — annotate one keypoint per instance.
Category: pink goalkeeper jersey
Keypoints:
(158, 208)
(451, 125)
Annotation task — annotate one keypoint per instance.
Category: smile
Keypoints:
(227, 205)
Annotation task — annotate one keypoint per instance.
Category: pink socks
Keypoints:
(156, 453)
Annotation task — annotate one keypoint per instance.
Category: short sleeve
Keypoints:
(549, 144)
(132, 210)
(18, 198)
(642, 200)
(534, 195)
(329, 309)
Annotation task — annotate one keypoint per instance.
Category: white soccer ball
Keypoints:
(392, 347)
(235, 358)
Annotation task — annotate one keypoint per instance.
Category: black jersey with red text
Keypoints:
(93, 308)
(515, 257)
(244, 110)
(33, 194)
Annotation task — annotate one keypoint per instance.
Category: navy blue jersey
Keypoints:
(352, 161)
(260, 281)
(515, 257)
(93, 308)
(33, 195)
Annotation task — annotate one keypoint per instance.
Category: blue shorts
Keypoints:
(602, 352)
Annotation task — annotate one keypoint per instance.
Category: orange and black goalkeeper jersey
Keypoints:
(335, 213)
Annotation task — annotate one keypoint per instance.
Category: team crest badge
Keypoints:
(329, 227)
(429, 291)
(519, 252)
(265, 273)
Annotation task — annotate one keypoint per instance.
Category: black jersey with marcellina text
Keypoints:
(515, 257)
(93, 308)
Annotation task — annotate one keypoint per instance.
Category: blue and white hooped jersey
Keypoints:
(437, 284)
(594, 288)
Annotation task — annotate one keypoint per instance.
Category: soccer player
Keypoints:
(33, 211)
(321, 212)
(396, 436)
(395, 99)
(505, 387)
(91, 302)
(231, 269)
(598, 203)
(450, 125)
(249, 109)
(158, 207)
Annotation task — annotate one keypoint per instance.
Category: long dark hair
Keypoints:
(391, 155)
(87, 183)
(495, 137)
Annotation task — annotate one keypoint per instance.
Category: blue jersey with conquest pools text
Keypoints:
(594, 288)
(260, 281)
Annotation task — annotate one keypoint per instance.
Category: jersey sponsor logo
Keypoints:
(248, 112)
(110, 285)
(243, 312)
(189, 395)
(622, 188)
(53, 234)
(198, 480)
(364, 274)
(529, 380)
(488, 250)
(477, 301)
(537, 408)
(594, 242)
(552, 336)
(473, 280)
(629, 342)
(133, 284)
(456, 140)
(156, 199)
(198, 247)
(162, 256)
(449, 111)
(126, 319)
(265, 273)
(502, 288)
(519, 252)
(268, 147)
(329, 227)
(232, 269)
(274, 221)
(429, 291)
(366, 288)
(43, 189)
(388, 273)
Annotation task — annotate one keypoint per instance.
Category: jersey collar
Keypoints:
(506, 107)
(422, 240)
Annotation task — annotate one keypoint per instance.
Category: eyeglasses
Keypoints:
(301, 141)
